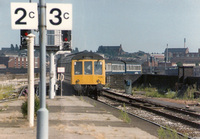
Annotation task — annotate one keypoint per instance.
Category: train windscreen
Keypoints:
(77, 68)
(88, 67)
(97, 68)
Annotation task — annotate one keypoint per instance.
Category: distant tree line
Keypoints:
(14, 48)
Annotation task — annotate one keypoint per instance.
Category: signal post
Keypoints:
(24, 16)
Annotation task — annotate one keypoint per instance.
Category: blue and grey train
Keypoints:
(120, 67)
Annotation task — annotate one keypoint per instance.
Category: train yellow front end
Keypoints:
(85, 72)
(88, 72)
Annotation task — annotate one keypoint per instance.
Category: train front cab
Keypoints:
(88, 76)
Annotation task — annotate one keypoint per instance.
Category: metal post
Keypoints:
(61, 89)
(52, 72)
(55, 80)
(61, 80)
(43, 117)
(31, 79)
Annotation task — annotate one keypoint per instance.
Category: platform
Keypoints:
(70, 117)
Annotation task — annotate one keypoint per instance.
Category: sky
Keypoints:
(138, 25)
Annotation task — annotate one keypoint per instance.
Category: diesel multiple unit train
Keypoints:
(84, 73)
(119, 67)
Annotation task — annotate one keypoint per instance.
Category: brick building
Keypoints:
(186, 59)
(170, 52)
(174, 57)
(22, 62)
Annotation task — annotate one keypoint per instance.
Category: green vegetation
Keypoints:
(24, 107)
(107, 85)
(5, 91)
(167, 133)
(179, 64)
(124, 115)
(169, 94)
(154, 92)
(81, 98)
(189, 93)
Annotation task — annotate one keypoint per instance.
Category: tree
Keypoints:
(16, 48)
(75, 51)
(12, 47)
(179, 64)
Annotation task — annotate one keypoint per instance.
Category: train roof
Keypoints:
(85, 55)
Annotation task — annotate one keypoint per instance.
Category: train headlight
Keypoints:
(77, 81)
(98, 81)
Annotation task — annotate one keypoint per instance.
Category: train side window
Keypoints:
(77, 68)
(97, 68)
(88, 67)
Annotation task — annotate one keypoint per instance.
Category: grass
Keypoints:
(166, 93)
(6, 91)
(189, 94)
(124, 115)
(154, 92)
(169, 134)
(169, 94)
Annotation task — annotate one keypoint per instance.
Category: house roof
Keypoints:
(176, 50)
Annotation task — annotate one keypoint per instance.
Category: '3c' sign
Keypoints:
(59, 16)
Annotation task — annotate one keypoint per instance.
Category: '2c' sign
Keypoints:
(24, 16)
(59, 16)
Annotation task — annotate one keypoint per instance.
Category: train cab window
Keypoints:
(98, 68)
(87, 67)
(77, 68)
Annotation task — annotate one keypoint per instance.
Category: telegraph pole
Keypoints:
(43, 114)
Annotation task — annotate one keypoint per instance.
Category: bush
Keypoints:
(171, 94)
(24, 107)
(189, 93)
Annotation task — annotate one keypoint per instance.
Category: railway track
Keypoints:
(10, 98)
(183, 116)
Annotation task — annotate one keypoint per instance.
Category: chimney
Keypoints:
(184, 42)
